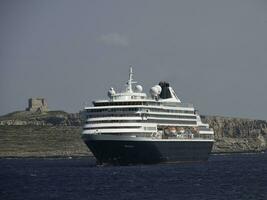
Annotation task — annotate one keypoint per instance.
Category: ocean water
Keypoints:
(236, 176)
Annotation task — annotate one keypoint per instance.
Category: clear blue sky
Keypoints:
(213, 52)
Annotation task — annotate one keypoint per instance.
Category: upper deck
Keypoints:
(143, 102)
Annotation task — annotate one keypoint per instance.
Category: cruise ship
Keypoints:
(131, 127)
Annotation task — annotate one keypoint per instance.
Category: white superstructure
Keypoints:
(160, 115)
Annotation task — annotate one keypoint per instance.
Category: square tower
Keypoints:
(37, 104)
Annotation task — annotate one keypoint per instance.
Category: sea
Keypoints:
(223, 177)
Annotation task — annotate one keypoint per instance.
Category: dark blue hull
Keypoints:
(123, 152)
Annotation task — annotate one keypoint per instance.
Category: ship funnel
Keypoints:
(165, 93)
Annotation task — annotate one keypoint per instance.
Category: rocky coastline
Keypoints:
(57, 134)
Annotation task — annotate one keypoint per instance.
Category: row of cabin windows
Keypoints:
(113, 115)
(123, 127)
(125, 103)
(114, 121)
(170, 111)
(128, 120)
(172, 116)
(139, 109)
(140, 103)
(173, 122)
(144, 115)
(114, 110)
(110, 127)
(140, 121)
(129, 127)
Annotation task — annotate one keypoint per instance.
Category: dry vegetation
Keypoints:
(41, 141)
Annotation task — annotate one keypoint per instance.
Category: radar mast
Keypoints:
(130, 81)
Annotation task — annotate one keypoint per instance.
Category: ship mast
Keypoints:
(130, 81)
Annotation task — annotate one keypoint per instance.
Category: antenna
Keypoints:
(129, 82)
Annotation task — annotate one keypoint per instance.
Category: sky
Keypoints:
(213, 52)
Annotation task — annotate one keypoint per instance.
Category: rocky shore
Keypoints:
(57, 134)
(237, 134)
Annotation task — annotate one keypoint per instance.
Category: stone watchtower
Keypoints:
(37, 104)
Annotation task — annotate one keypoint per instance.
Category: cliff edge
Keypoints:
(237, 134)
